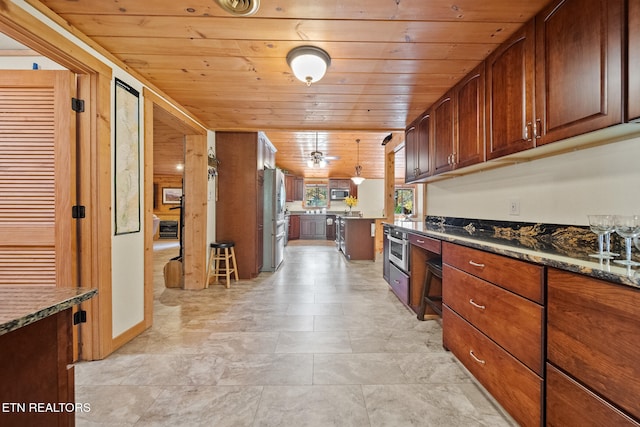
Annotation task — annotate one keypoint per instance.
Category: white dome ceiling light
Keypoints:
(308, 63)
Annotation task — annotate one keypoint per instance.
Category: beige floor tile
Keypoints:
(312, 406)
(321, 342)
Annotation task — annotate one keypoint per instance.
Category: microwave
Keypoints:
(339, 193)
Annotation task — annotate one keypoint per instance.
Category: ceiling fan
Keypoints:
(317, 159)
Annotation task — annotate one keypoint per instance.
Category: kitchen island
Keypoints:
(36, 353)
(355, 237)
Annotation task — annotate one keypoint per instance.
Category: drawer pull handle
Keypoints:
(475, 264)
(476, 359)
(396, 281)
(419, 241)
(473, 303)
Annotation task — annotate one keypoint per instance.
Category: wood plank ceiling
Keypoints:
(390, 60)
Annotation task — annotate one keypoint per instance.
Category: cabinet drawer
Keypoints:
(515, 323)
(512, 384)
(427, 243)
(570, 404)
(593, 328)
(517, 276)
(399, 283)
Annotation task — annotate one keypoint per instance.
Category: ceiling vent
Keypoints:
(240, 7)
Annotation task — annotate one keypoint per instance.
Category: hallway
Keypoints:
(321, 342)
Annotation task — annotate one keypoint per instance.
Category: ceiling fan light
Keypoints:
(310, 163)
(323, 163)
(308, 63)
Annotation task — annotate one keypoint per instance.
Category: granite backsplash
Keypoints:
(565, 240)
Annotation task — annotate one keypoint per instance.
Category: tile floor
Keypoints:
(322, 342)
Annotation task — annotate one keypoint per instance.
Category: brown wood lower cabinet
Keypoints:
(593, 330)
(313, 227)
(294, 227)
(571, 404)
(513, 322)
(358, 241)
(494, 329)
(513, 385)
(36, 371)
(399, 282)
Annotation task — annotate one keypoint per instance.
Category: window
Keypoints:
(316, 195)
(404, 200)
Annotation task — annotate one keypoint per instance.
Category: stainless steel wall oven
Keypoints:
(399, 249)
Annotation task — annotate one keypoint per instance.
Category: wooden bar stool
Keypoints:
(223, 256)
(434, 268)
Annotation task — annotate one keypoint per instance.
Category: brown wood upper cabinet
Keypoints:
(294, 188)
(444, 144)
(579, 71)
(633, 62)
(417, 146)
(576, 49)
(458, 124)
(469, 116)
(509, 89)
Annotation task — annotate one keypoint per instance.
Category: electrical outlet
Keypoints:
(514, 207)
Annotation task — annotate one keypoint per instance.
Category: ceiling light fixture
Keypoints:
(357, 180)
(317, 158)
(308, 63)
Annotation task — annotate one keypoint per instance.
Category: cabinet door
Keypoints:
(443, 142)
(469, 115)
(512, 384)
(410, 153)
(578, 68)
(423, 145)
(294, 227)
(592, 334)
(289, 185)
(570, 404)
(509, 94)
(633, 61)
(298, 193)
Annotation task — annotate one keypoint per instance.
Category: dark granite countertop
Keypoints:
(560, 246)
(23, 305)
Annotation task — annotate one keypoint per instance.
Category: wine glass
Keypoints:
(601, 225)
(627, 226)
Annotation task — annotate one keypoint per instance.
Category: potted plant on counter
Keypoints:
(351, 202)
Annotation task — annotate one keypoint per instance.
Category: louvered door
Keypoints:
(37, 145)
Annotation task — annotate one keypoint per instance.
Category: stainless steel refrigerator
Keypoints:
(274, 220)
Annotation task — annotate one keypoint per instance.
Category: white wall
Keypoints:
(563, 189)
(371, 198)
(127, 250)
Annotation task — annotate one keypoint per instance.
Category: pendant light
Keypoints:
(357, 180)
(308, 63)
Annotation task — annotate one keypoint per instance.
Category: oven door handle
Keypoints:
(396, 240)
